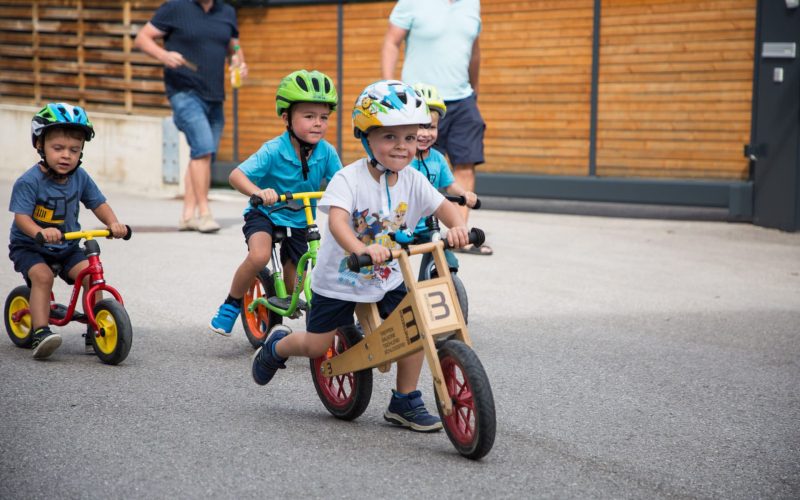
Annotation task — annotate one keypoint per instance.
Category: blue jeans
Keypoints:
(202, 122)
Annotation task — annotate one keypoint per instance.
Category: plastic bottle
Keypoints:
(236, 68)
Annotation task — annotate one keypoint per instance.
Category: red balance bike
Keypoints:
(108, 325)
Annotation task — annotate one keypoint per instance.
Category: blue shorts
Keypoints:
(461, 132)
(328, 314)
(26, 256)
(202, 122)
(292, 247)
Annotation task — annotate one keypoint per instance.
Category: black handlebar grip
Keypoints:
(129, 233)
(256, 201)
(476, 237)
(462, 200)
(39, 238)
(356, 262)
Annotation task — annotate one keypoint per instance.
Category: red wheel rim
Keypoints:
(338, 390)
(462, 422)
(259, 318)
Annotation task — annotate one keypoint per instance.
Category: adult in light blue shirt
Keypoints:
(442, 49)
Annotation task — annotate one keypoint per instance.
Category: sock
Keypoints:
(399, 395)
(42, 329)
(275, 353)
(234, 302)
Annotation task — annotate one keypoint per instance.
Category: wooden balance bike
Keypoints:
(429, 313)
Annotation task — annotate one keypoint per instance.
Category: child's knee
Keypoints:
(41, 275)
(258, 256)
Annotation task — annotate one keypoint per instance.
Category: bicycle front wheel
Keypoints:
(472, 424)
(257, 323)
(112, 343)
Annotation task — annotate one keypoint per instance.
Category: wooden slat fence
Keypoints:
(674, 88)
(79, 51)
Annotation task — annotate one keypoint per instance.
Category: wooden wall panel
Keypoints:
(675, 77)
(675, 88)
(81, 51)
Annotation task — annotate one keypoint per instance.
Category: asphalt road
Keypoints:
(629, 358)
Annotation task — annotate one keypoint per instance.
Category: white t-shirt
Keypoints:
(376, 209)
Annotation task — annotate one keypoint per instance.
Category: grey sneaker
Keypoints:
(88, 345)
(207, 224)
(45, 342)
(187, 224)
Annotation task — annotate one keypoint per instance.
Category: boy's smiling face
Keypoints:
(62, 150)
(309, 120)
(427, 134)
(394, 147)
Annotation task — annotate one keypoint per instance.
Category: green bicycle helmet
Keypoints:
(305, 86)
(432, 98)
(60, 114)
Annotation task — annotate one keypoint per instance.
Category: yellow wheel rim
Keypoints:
(22, 328)
(106, 322)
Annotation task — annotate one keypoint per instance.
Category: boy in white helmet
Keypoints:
(386, 118)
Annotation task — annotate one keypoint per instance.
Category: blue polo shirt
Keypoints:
(276, 165)
(200, 37)
(439, 43)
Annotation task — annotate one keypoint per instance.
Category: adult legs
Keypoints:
(198, 181)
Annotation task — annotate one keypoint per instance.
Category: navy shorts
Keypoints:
(461, 132)
(327, 314)
(200, 120)
(25, 257)
(292, 247)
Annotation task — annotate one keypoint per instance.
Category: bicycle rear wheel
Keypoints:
(472, 424)
(345, 396)
(257, 324)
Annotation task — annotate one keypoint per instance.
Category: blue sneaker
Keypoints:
(410, 412)
(223, 321)
(265, 361)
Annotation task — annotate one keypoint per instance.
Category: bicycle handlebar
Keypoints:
(356, 262)
(256, 201)
(462, 200)
(94, 233)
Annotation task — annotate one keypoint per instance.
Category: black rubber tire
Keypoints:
(472, 425)
(255, 326)
(356, 385)
(113, 319)
(19, 298)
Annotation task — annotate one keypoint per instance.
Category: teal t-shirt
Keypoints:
(439, 43)
(276, 165)
(437, 171)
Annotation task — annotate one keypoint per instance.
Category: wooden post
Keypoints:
(37, 64)
(127, 45)
(81, 56)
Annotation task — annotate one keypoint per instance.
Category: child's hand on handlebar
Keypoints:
(118, 230)
(51, 235)
(269, 196)
(458, 236)
(471, 197)
(378, 253)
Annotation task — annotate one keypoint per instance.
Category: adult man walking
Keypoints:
(198, 37)
(442, 50)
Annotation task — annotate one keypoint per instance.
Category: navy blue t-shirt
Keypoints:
(201, 38)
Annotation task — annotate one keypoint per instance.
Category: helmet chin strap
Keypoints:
(305, 147)
(372, 161)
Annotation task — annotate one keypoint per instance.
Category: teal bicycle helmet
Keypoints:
(60, 114)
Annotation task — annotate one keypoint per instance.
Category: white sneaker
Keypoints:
(187, 224)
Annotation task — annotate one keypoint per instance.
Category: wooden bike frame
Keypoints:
(429, 309)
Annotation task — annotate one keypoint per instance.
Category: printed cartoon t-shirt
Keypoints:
(376, 210)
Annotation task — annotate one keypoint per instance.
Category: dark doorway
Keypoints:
(775, 147)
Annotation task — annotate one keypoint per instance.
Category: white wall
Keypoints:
(126, 153)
